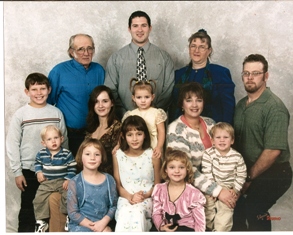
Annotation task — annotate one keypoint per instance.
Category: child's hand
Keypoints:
(65, 184)
(157, 152)
(137, 198)
(87, 223)
(211, 197)
(99, 226)
(115, 149)
(40, 176)
(166, 228)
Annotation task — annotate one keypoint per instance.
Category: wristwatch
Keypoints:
(248, 178)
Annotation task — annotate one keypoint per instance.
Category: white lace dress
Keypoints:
(136, 173)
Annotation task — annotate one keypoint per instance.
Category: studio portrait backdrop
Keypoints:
(36, 36)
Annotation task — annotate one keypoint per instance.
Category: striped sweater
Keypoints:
(23, 139)
(184, 138)
(61, 165)
(228, 171)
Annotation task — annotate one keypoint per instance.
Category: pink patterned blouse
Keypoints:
(189, 206)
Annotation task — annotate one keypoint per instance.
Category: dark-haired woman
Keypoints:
(190, 133)
(102, 123)
(215, 79)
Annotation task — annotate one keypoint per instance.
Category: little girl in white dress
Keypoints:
(136, 172)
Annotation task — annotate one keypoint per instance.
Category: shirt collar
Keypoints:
(219, 154)
(263, 97)
(49, 153)
(135, 47)
(79, 65)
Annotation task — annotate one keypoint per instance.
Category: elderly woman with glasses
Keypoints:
(215, 79)
(190, 133)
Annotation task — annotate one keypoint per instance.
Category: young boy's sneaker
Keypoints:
(41, 226)
(66, 223)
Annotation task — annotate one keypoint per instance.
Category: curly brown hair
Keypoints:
(177, 155)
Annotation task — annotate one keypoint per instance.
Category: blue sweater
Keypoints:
(72, 85)
(92, 201)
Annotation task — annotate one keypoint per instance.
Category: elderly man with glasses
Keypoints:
(72, 82)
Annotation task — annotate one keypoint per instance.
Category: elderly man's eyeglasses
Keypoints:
(200, 48)
(246, 74)
(81, 51)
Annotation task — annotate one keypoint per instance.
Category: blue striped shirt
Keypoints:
(61, 165)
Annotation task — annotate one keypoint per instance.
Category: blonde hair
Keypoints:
(177, 155)
(149, 85)
(222, 126)
(50, 128)
(90, 142)
(135, 84)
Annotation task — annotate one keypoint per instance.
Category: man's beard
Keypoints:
(250, 88)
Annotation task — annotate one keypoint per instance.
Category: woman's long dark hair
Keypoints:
(92, 118)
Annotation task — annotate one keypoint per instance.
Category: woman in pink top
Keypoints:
(177, 204)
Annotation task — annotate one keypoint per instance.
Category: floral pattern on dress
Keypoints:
(136, 174)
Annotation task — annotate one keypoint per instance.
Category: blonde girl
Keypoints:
(143, 94)
(177, 204)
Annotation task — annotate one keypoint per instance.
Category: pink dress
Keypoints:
(189, 206)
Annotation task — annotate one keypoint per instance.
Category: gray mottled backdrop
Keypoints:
(36, 38)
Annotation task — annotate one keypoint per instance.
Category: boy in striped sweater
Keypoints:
(224, 165)
(54, 167)
(23, 142)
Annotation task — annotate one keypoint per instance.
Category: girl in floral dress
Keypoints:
(136, 173)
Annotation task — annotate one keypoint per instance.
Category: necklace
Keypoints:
(195, 127)
(191, 124)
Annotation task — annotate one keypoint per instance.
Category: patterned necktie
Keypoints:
(140, 66)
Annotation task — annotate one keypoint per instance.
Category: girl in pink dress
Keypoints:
(177, 204)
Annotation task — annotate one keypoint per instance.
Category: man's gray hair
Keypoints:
(71, 42)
